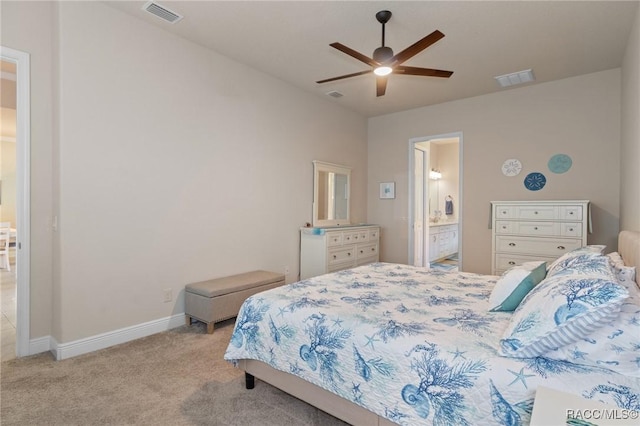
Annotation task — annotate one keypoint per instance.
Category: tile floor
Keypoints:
(450, 264)
(8, 310)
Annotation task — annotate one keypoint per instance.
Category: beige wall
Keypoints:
(630, 148)
(27, 26)
(178, 165)
(578, 116)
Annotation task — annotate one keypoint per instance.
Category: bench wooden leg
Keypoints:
(187, 319)
(249, 381)
(210, 328)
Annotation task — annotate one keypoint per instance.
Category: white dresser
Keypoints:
(330, 249)
(522, 231)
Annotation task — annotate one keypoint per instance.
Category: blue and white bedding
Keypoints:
(412, 345)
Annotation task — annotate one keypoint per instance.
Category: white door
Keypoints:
(418, 214)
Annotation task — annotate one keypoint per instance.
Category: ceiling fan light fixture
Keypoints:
(382, 71)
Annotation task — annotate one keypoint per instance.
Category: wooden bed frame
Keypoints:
(628, 247)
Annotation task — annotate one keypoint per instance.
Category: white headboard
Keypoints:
(629, 248)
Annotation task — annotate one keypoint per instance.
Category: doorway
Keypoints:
(15, 194)
(435, 202)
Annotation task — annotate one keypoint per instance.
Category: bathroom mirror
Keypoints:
(331, 188)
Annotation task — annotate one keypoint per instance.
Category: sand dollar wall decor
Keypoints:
(559, 163)
(535, 181)
(511, 167)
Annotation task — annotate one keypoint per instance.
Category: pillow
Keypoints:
(563, 309)
(514, 285)
(578, 254)
(615, 346)
(626, 274)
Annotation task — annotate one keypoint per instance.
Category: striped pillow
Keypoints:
(563, 309)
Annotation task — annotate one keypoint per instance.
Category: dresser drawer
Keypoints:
(363, 236)
(367, 250)
(374, 234)
(349, 237)
(570, 213)
(571, 229)
(548, 229)
(341, 255)
(506, 261)
(536, 246)
(536, 212)
(334, 239)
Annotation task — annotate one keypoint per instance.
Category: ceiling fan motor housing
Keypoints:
(382, 54)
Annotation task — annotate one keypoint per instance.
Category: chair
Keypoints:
(5, 238)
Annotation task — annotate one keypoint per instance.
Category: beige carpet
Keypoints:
(173, 378)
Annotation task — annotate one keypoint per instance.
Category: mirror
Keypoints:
(331, 188)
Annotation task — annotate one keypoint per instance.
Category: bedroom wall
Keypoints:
(173, 164)
(630, 147)
(577, 116)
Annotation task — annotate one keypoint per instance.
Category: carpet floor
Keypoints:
(177, 377)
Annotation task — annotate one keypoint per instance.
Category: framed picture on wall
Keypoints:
(387, 190)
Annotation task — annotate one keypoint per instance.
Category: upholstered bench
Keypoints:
(220, 299)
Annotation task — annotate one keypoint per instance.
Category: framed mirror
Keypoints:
(331, 189)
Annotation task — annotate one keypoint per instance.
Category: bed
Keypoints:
(386, 344)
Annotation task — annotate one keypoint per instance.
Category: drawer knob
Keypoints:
(535, 212)
(361, 251)
(373, 249)
(504, 227)
(571, 229)
(536, 228)
(349, 254)
(512, 262)
(512, 244)
(504, 212)
(356, 237)
(570, 212)
(561, 247)
(335, 257)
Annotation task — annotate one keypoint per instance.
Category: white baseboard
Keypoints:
(101, 341)
(39, 345)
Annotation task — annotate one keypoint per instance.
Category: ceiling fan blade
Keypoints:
(416, 48)
(381, 86)
(403, 69)
(359, 56)
(344, 76)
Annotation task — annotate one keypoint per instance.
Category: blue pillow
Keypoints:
(515, 284)
(564, 308)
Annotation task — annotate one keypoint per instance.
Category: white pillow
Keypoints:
(626, 274)
(514, 285)
(564, 308)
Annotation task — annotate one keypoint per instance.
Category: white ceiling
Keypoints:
(483, 39)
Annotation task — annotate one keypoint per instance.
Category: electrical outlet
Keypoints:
(168, 295)
(286, 270)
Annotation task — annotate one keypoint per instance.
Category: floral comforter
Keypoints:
(415, 346)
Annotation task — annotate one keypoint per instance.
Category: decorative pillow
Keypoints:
(563, 309)
(615, 346)
(626, 274)
(514, 285)
(579, 254)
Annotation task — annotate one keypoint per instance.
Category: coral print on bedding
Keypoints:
(414, 346)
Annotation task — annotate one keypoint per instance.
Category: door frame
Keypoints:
(412, 144)
(23, 195)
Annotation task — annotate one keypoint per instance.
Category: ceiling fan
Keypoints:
(384, 62)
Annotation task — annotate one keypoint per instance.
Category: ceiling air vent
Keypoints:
(161, 12)
(335, 94)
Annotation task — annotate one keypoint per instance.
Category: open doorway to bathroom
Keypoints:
(435, 185)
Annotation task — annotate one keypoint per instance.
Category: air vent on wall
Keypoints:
(161, 12)
(335, 94)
